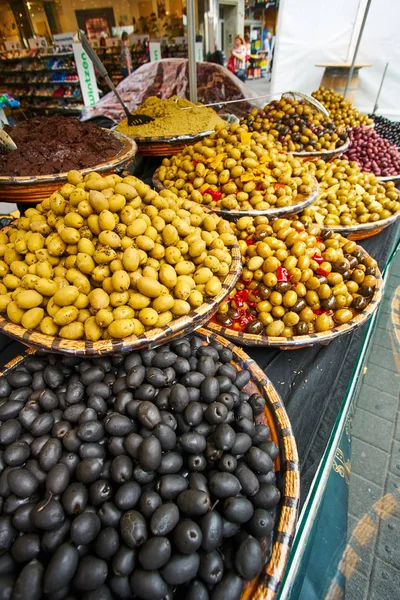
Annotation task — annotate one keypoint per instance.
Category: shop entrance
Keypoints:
(226, 27)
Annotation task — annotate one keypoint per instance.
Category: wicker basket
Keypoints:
(362, 231)
(33, 189)
(286, 467)
(234, 215)
(154, 337)
(302, 341)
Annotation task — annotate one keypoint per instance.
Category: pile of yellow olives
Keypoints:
(108, 257)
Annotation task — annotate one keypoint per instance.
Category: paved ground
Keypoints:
(374, 502)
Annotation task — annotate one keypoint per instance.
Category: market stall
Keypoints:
(142, 453)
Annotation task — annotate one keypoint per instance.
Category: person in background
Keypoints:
(239, 53)
(125, 56)
(269, 43)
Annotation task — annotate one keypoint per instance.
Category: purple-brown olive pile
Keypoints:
(148, 475)
(388, 129)
(373, 153)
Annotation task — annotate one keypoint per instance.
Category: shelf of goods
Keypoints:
(42, 81)
(110, 58)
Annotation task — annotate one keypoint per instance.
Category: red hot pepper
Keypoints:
(249, 242)
(322, 272)
(318, 259)
(282, 275)
(279, 185)
(241, 297)
(245, 320)
(195, 162)
(319, 240)
(319, 311)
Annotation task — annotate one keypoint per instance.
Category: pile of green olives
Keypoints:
(236, 170)
(108, 257)
(296, 281)
(136, 475)
(341, 109)
(348, 195)
(296, 126)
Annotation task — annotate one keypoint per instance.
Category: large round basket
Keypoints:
(234, 215)
(286, 468)
(169, 145)
(302, 341)
(35, 188)
(151, 338)
(362, 231)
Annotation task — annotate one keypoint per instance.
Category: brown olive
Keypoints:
(301, 328)
(365, 290)
(255, 327)
(360, 303)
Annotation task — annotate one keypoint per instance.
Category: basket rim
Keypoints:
(301, 341)
(269, 212)
(285, 525)
(381, 224)
(127, 152)
(322, 153)
(151, 338)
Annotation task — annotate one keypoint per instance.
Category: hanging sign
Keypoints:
(63, 41)
(86, 74)
(15, 45)
(39, 42)
(198, 51)
(155, 51)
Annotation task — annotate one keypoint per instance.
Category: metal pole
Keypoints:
(191, 30)
(380, 88)
(353, 62)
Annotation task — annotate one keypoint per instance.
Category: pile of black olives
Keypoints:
(387, 129)
(146, 476)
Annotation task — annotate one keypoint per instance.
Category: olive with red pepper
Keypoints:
(296, 281)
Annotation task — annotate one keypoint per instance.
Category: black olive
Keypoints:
(166, 436)
(267, 496)
(16, 454)
(193, 379)
(7, 564)
(148, 415)
(223, 485)
(133, 529)
(90, 431)
(170, 486)
(141, 476)
(181, 568)
(5, 387)
(212, 530)
(120, 587)
(262, 434)
(61, 568)
(21, 518)
(164, 519)
(10, 431)
(244, 425)
(127, 495)
(75, 392)
(75, 498)
(47, 515)
(148, 585)
(238, 509)
(248, 558)
(261, 523)
(9, 410)
(50, 454)
(211, 567)
(28, 586)
(197, 590)
(119, 425)
(123, 561)
(209, 389)
(51, 540)
(150, 453)
(121, 469)
(22, 483)
(84, 528)
(193, 502)
(7, 533)
(155, 553)
(227, 463)
(99, 388)
(91, 573)
(270, 448)
(19, 379)
(178, 398)
(132, 444)
(106, 543)
(100, 491)
(109, 514)
(244, 410)
(57, 479)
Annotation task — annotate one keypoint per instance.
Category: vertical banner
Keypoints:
(87, 77)
(199, 51)
(155, 51)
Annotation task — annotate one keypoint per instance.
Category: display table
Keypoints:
(335, 77)
(316, 385)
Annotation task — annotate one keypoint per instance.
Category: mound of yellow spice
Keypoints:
(172, 117)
